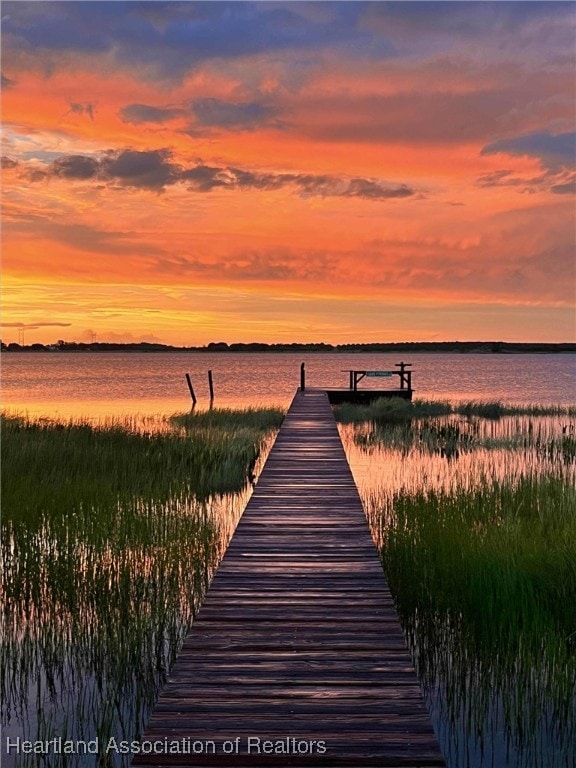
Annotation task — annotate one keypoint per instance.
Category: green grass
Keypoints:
(109, 538)
(485, 583)
(262, 419)
(396, 409)
(454, 435)
(499, 559)
(55, 467)
(476, 525)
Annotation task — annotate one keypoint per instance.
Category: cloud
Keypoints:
(371, 190)
(248, 180)
(496, 178)
(556, 153)
(124, 337)
(204, 113)
(277, 264)
(468, 20)
(203, 178)
(144, 113)
(130, 168)
(287, 44)
(224, 114)
(423, 116)
(55, 27)
(308, 185)
(146, 170)
(566, 188)
(152, 169)
(7, 162)
(155, 170)
(520, 260)
(171, 39)
(83, 237)
(30, 326)
(6, 82)
(507, 178)
(553, 151)
(76, 108)
(77, 167)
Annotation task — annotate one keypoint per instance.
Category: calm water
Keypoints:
(100, 384)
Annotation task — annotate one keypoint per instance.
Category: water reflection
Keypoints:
(476, 521)
(450, 452)
(103, 383)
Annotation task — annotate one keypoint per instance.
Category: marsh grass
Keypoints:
(453, 435)
(227, 418)
(109, 540)
(498, 558)
(480, 551)
(485, 583)
(396, 409)
(55, 466)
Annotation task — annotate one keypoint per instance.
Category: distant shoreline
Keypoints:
(462, 347)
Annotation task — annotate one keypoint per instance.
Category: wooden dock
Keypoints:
(297, 657)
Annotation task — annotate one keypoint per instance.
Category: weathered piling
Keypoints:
(191, 388)
(211, 386)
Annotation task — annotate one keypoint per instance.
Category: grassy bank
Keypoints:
(396, 409)
(55, 467)
(485, 583)
(476, 524)
(499, 560)
(108, 540)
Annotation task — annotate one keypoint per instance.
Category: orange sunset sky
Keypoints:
(342, 172)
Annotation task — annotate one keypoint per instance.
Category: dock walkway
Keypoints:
(297, 656)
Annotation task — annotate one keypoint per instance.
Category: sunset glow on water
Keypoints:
(115, 384)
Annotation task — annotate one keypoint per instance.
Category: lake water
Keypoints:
(117, 384)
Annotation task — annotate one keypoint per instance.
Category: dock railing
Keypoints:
(404, 374)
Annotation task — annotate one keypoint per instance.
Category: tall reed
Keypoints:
(396, 409)
(109, 539)
(483, 571)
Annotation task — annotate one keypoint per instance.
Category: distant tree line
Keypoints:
(374, 347)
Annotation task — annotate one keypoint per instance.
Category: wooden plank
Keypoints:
(297, 637)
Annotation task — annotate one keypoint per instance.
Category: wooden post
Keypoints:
(351, 380)
(405, 376)
(211, 386)
(191, 388)
(302, 377)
